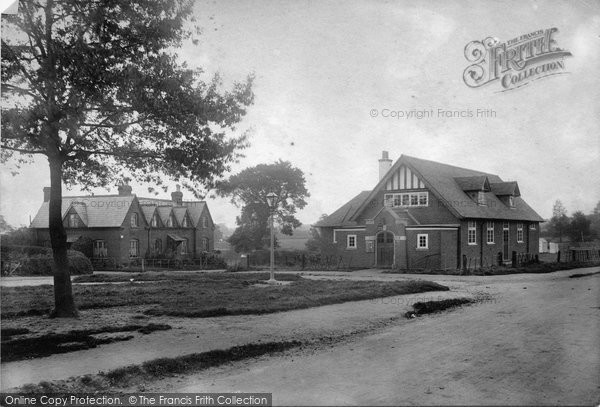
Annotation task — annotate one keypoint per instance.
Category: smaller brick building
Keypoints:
(428, 215)
(125, 227)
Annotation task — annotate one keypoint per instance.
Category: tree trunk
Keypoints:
(64, 305)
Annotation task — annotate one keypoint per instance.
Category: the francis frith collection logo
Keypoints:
(514, 63)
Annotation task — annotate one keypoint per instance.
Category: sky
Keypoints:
(329, 74)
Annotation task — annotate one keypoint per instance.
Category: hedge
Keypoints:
(38, 261)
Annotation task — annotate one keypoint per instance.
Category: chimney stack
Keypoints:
(384, 164)
(124, 189)
(46, 194)
(177, 196)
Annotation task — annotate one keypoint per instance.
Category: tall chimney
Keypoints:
(177, 196)
(46, 194)
(384, 164)
(124, 189)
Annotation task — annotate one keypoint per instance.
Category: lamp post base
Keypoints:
(273, 281)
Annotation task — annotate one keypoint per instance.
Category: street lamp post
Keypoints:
(271, 197)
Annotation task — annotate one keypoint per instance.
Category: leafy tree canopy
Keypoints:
(98, 88)
(249, 189)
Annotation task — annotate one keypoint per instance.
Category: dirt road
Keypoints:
(537, 343)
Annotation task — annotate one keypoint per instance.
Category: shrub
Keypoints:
(84, 245)
(38, 261)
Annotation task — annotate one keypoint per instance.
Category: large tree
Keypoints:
(98, 88)
(249, 189)
(579, 227)
(559, 223)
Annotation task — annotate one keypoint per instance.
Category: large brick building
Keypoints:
(125, 227)
(427, 215)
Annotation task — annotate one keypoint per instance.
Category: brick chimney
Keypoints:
(46, 194)
(384, 164)
(124, 189)
(177, 196)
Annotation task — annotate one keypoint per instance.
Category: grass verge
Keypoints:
(128, 376)
(578, 275)
(45, 345)
(211, 294)
(429, 307)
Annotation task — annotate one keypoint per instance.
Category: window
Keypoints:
(532, 226)
(73, 220)
(134, 220)
(100, 248)
(184, 246)
(154, 221)
(351, 242)
(204, 222)
(511, 201)
(185, 223)
(171, 221)
(369, 246)
(505, 226)
(407, 199)
(519, 233)
(481, 198)
(423, 241)
(472, 233)
(134, 248)
(490, 233)
(157, 246)
(205, 246)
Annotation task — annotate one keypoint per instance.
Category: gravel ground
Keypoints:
(535, 342)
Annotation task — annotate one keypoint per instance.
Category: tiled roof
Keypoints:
(342, 216)
(476, 183)
(110, 210)
(100, 210)
(148, 211)
(164, 212)
(195, 210)
(179, 212)
(505, 188)
(449, 184)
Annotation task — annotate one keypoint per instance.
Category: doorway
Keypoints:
(385, 249)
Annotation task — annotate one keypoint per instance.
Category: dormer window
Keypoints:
(154, 221)
(511, 201)
(73, 220)
(185, 222)
(481, 198)
(171, 221)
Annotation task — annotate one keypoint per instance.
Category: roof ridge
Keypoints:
(447, 165)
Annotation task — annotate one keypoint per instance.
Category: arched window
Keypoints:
(185, 222)
(134, 248)
(204, 222)
(100, 248)
(204, 245)
(154, 221)
(171, 221)
(134, 220)
(157, 246)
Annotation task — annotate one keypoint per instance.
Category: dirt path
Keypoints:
(533, 345)
(193, 335)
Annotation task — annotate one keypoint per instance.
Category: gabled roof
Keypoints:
(195, 210)
(180, 213)
(506, 188)
(342, 216)
(148, 211)
(441, 180)
(94, 211)
(164, 212)
(475, 183)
